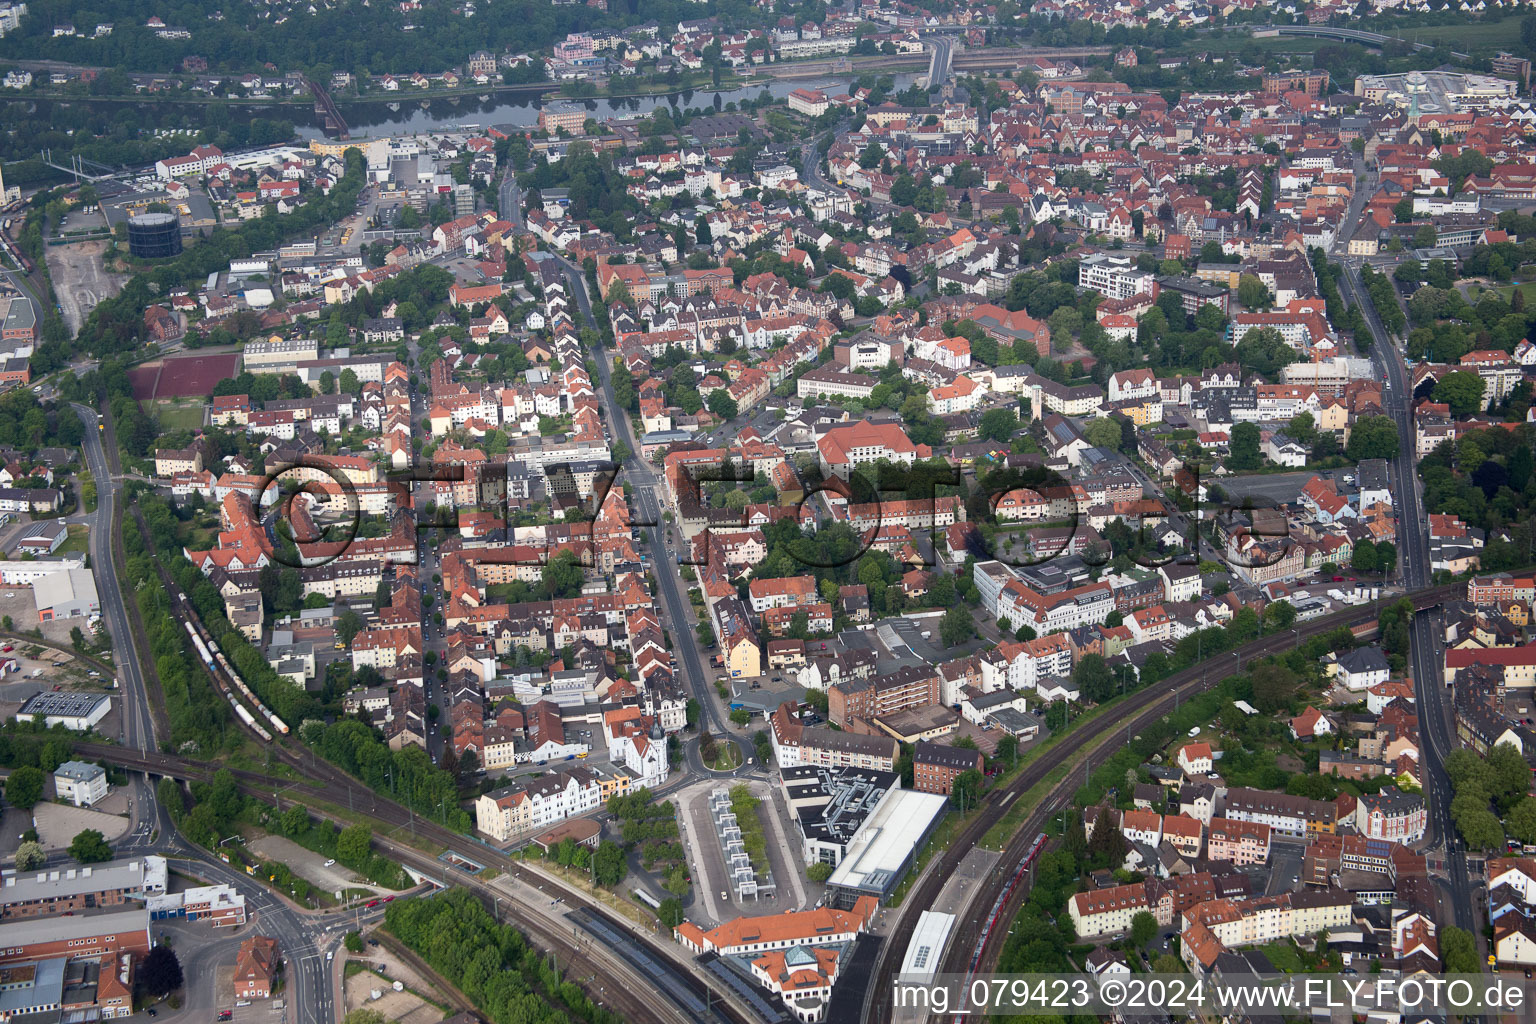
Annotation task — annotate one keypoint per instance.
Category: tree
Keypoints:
(350, 385)
(1245, 447)
(353, 844)
(608, 864)
(563, 575)
(90, 847)
(30, 855)
(1364, 558)
(722, 404)
(25, 787)
(819, 871)
(957, 626)
(1273, 687)
(1425, 236)
(354, 942)
(348, 625)
(998, 424)
(1458, 951)
(741, 716)
(1403, 211)
(966, 789)
(1462, 391)
(1386, 556)
(670, 912)
(159, 973)
(1143, 928)
(1093, 678)
(1252, 293)
(1107, 840)
(701, 233)
(1372, 437)
(1103, 432)
(1279, 615)
(1521, 820)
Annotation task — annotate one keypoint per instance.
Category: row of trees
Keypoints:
(1379, 291)
(508, 980)
(1491, 797)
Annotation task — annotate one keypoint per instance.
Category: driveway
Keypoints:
(311, 866)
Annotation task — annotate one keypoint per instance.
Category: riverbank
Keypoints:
(564, 91)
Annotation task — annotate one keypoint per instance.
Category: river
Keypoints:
(394, 117)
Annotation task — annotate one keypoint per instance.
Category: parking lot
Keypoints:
(1277, 488)
(19, 604)
(58, 824)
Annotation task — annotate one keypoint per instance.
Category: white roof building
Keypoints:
(880, 854)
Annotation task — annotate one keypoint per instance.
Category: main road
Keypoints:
(138, 722)
(646, 484)
(1413, 548)
(152, 830)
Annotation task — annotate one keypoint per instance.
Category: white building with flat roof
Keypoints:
(879, 855)
(24, 574)
(70, 594)
(77, 711)
(926, 949)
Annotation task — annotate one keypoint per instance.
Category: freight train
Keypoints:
(222, 672)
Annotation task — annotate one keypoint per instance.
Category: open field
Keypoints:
(1468, 36)
(79, 280)
(79, 538)
(180, 415)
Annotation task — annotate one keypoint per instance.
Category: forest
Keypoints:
(122, 134)
(1486, 479)
(351, 35)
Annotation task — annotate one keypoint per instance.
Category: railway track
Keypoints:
(639, 999)
(1097, 738)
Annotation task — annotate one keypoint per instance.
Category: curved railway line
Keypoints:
(640, 999)
(1098, 739)
(975, 944)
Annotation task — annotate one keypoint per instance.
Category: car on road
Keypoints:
(226, 1014)
(389, 899)
(372, 904)
(330, 862)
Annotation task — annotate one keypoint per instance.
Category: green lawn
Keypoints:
(1284, 956)
(179, 415)
(1467, 36)
(76, 544)
(1477, 291)
(727, 756)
